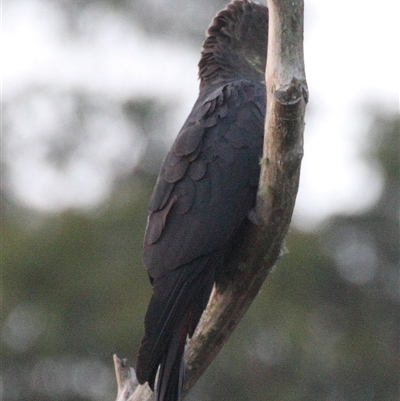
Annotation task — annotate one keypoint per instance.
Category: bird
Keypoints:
(204, 192)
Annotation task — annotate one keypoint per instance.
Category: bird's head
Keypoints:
(236, 44)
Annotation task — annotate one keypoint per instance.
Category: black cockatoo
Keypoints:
(205, 189)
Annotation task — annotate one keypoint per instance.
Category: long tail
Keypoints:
(178, 300)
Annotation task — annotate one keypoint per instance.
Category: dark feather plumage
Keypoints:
(205, 189)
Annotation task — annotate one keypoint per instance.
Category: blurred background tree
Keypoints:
(325, 325)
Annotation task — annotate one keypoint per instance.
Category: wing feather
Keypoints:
(208, 181)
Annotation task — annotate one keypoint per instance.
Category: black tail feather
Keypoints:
(175, 308)
(172, 368)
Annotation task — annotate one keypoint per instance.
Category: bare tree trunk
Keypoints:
(287, 96)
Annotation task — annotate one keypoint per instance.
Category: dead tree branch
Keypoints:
(287, 96)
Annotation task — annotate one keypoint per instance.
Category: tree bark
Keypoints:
(262, 242)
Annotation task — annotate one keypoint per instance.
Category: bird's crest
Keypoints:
(236, 44)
